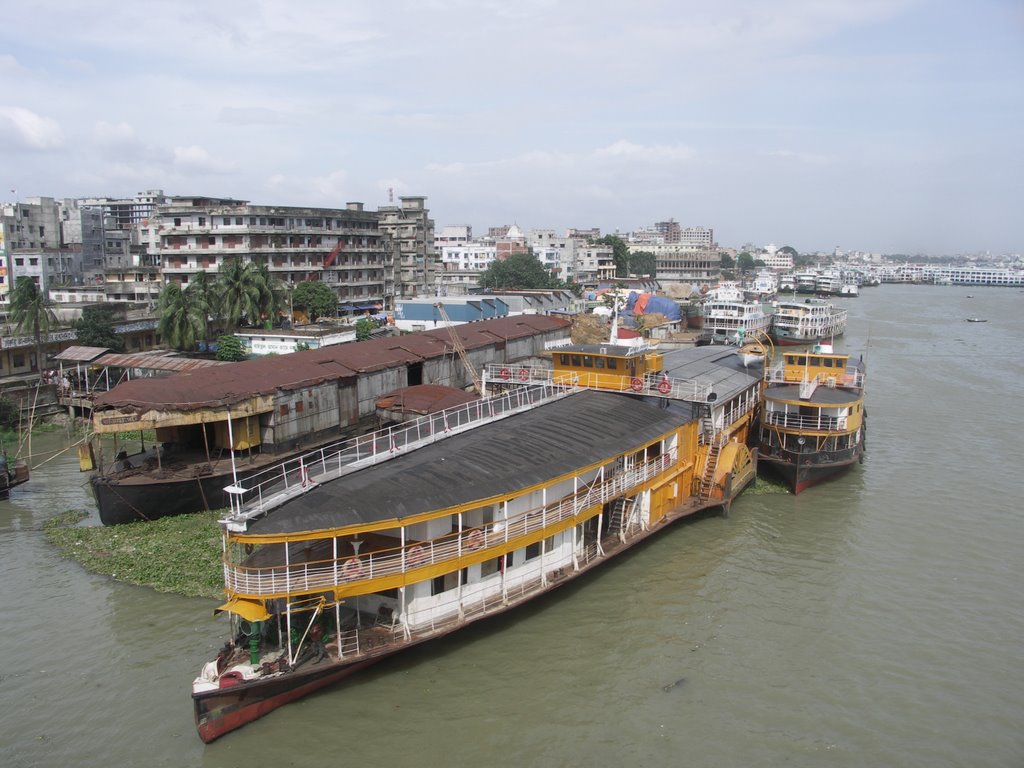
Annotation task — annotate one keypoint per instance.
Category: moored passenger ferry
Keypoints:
(808, 321)
(410, 533)
(812, 418)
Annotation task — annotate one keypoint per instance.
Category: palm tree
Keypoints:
(240, 290)
(203, 292)
(181, 320)
(30, 311)
(272, 292)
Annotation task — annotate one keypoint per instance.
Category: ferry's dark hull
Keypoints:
(802, 470)
(155, 498)
(223, 710)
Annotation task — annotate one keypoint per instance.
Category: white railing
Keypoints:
(271, 487)
(851, 378)
(609, 380)
(326, 574)
(819, 423)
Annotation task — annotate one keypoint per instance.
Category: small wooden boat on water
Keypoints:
(10, 476)
(751, 353)
(976, 320)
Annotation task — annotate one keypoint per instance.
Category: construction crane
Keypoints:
(457, 343)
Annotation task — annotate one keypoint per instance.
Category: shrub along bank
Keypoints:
(180, 554)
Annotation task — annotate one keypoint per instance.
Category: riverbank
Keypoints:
(180, 554)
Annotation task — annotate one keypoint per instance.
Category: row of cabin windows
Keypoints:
(489, 567)
(590, 361)
(821, 362)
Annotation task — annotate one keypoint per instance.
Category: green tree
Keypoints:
(620, 253)
(181, 323)
(204, 292)
(272, 294)
(745, 262)
(96, 328)
(230, 349)
(643, 263)
(242, 292)
(32, 312)
(315, 298)
(726, 261)
(364, 326)
(10, 413)
(518, 271)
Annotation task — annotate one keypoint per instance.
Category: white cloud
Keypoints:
(30, 130)
(196, 158)
(114, 133)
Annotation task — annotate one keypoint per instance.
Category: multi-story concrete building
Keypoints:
(128, 213)
(697, 237)
(33, 245)
(683, 263)
(411, 233)
(343, 247)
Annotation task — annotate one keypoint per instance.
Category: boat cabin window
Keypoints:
(576, 361)
(816, 361)
(588, 361)
(563, 359)
(612, 364)
(599, 362)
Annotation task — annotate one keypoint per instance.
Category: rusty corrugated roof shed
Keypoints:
(227, 384)
(425, 398)
(81, 354)
(156, 362)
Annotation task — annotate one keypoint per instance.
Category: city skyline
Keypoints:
(880, 126)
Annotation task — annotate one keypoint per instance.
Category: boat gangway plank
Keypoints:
(652, 384)
(261, 492)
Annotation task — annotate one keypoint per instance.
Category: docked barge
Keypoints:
(413, 532)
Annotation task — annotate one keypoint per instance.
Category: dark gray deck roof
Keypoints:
(718, 365)
(822, 395)
(497, 458)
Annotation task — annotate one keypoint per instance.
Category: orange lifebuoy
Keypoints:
(636, 385)
(352, 569)
(475, 539)
(664, 387)
(523, 374)
(415, 556)
(506, 374)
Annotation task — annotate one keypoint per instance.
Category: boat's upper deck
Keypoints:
(496, 458)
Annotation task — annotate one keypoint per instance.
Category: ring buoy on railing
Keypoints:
(505, 373)
(524, 374)
(416, 556)
(636, 384)
(352, 569)
(664, 387)
(475, 539)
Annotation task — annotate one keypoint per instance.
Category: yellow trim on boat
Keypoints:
(250, 610)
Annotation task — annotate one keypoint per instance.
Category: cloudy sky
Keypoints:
(884, 125)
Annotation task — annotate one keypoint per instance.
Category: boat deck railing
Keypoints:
(851, 378)
(654, 384)
(819, 423)
(271, 487)
(326, 574)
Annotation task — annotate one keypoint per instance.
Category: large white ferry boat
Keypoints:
(345, 557)
(806, 321)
